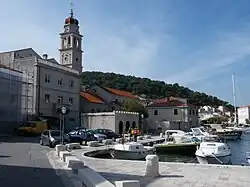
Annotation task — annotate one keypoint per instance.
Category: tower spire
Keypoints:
(71, 8)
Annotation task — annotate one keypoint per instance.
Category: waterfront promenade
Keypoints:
(172, 174)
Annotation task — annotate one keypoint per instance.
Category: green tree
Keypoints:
(134, 106)
(151, 88)
(216, 120)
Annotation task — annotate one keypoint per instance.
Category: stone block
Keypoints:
(152, 166)
(127, 183)
(107, 142)
(73, 146)
(90, 178)
(63, 155)
(74, 163)
(59, 148)
(93, 143)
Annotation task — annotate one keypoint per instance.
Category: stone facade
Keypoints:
(53, 84)
(172, 114)
(118, 121)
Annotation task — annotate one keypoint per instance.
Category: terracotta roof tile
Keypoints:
(92, 98)
(165, 102)
(121, 93)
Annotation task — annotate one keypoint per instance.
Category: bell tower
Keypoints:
(71, 43)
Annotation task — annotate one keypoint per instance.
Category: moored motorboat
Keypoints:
(131, 151)
(213, 153)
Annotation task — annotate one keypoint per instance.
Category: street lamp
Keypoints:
(142, 116)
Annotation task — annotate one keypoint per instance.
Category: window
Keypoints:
(190, 112)
(175, 111)
(59, 100)
(193, 112)
(47, 98)
(70, 100)
(71, 84)
(59, 82)
(196, 112)
(155, 112)
(47, 78)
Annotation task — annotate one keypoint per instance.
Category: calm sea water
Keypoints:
(238, 147)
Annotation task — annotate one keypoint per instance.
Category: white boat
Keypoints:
(248, 157)
(213, 153)
(200, 133)
(131, 151)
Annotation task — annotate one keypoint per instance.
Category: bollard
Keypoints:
(161, 135)
(59, 148)
(152, 166)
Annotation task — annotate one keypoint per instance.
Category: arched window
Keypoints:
(69, 41)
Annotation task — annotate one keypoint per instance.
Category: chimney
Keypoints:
(45, 56)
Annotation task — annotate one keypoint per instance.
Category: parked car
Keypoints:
(52, 138)
(109, 133)
(99, 137)
(80, 136)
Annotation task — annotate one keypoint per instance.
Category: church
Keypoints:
(46, 83)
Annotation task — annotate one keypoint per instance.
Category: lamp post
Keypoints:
(142, 116)
(63, 111)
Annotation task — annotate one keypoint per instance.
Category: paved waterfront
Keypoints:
(23, 162)
(173, 174)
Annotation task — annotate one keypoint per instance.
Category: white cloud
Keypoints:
(229, 49)
(129, 51)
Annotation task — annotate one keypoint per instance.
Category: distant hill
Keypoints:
(151, 88)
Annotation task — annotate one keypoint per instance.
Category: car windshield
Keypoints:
(91, 131)
(55, 133)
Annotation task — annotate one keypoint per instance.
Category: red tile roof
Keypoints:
(121, 93)
(92, 98)
(166, 102)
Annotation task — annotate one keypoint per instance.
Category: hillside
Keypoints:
(150, 88)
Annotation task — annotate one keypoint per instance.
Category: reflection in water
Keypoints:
(238, 147)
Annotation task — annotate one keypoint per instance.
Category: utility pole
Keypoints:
(234, 98)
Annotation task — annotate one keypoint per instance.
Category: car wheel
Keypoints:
(41, 142)
(50, 144)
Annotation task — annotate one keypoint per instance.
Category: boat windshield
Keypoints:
(211, 139)
(195, 139)
(196, 131)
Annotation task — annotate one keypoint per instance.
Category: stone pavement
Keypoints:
(23, 162)
(173, 174)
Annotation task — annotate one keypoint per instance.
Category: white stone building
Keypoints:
(172, 113)
(243, 114)
(118, 121)
(54, 84)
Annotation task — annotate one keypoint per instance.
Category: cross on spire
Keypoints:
(71, 8)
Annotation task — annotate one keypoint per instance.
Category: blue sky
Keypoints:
(196, 43)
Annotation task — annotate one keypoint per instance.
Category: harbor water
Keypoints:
(238, 148)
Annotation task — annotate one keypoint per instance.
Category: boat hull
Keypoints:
(212, 160)
(180, 149)
(130, 155)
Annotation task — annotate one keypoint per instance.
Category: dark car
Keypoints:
(80, 136)
(52, 138)
(109, 133)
